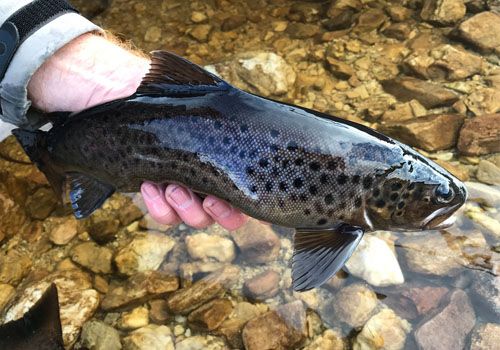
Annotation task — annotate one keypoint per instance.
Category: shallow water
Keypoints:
(428, 290)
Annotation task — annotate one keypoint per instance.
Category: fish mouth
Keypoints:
(440, 219)
(450, 221)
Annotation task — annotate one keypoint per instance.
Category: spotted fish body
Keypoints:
(284, 164)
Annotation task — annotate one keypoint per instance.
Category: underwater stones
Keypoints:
(488, 172)
(158, 312)
(202, 246)
(200, 32)
(11, 150)
(354, 304)
(13, 219)
(479, 30)
(203, 290)
(102, 228)
(262, 286)
(257, 242)
(90, 255)
(431, 133)
(329, 340)
(302, 30)
(338, 68)
(480, 135)
(153, 34)
(486, 289)
(398, 13)
(97, 335)
(484, 101)
(145, 252)
(136, 318)
(485, 337)
(139, 288)
(149, 337)
(198, 17)
(430, 95)
(375, 262)
(233, 22)
(14, 266)
(148, 223)
(443, 12)
(425, 298)
(41, 203)
(400, 31)
(61, 230)
(281, 328)
(211, 315)
(200, 342)
(450, 325)
(7, 292)
(370, 19)
(385, 330)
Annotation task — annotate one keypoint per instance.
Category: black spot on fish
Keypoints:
(380, 203)
(394, 197)
(269, 186)
(283, 186)
(298, 182)
(401, 205)
(281, 203)
(303, 197)
(323, 178)
(314, 166)
(330, 212)
(376, 192)
(242, 154)
(321, 222)
(274, 148)
(274, 133)
(217, 124)
(406, 195)
(307, 212)
(244, 128)
(299, 162)
(355, 179)
(412, 186)
(250, 170)
(264, 162)
(367, 182)
(233, 149)
(328, 199)
(332, 164)
(342, 179)
(285, 163)
(396, 186)
(211, 140)
(204, 180)
(399, 213)
(292, 146)
(275, 171)
(357, 202)
(226, 140)
(253, 189)
(313, 190)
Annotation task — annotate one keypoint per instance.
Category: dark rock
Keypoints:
(301, 30)
(340, 19)
(263, 286)
(480, 135)
(102, 228)
(97, 259)
(233, 22)
(400, 31)
(41, 203)
(158, 311)
(370, 19)
(305, 12)
(486, 290)
(258, 242)
(211, 315)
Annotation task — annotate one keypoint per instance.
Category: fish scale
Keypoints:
(328, 178)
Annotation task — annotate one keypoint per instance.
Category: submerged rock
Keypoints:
(488, 172)
(443, 12)
(486, 290)
(202, 246)
(485, 337)
(138, 317)
(478, 30)
(149, 337)
(480, 135)
(97, 335)
(263, 286)
(355, 304)
(7, 293)
(13, 218)
(329, 340)
(61, 230)
(199, 342)
(14, 266)
(211, 315)
(258, 242)
(375, 262)
(97, 259)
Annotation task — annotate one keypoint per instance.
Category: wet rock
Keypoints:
(283, 328)
(11, 150)
(139, 288)
(257, 242)
(7, 293)
(355, 304)
(13, 219)
(302, 30)
(145, 252)
(398, 13)
(430, 95)
(329, 340)
(486, 289)
(211, 315)
(485, 337)
(432, 133)
(138, 317)
(153, 34)
(444, 62)
(97, 259)
(189, 270)
(485, 194)
(484, 101)
(264, 73)
(370, 19)
(129, 213)
(400, 31)
(148, 223)
(480, 135)
(90, 9)
(404, 111)
(430, 254)
(158, 312)
(61, 230)
(102, 228)
(41, 203)
(207, 288)
(451, 325)
(384, 330)
(199, 342)
(77, 301)
(233, 22)
(443, 12)
(484, 220)
(339, 69)
(97, 335)
(200, 32)
(198, 17)
(375, 262)
(340, 18)
(425, 298)
(14, 266)
(263, 286)
(202, 246)
(305, 12)
(488, 173)
(149, 337)
(478, 30)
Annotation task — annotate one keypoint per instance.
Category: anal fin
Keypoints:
(319, 254)
(87, 194)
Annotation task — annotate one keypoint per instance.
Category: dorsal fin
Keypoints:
(171, 75)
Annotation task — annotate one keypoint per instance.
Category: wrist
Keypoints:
(88, 71)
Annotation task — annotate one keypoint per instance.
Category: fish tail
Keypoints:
(34, 144)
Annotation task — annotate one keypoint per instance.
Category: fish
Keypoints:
(330, 179)
(38, 329)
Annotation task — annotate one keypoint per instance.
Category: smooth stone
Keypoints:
(262, 286)
(485, 337)
(211, 315)
(385, 330)
(375, 262)
(486, 290)
(480, 135)
(233, 22)
(145, 252)
(41, 204)
(137, 318)
(257, 242)
(302, 30)
(92, 256)
(7, 293)
(14, 266)
(370, 19)
(61, 230)
(355, 304)
(443, 12)
(97, 335)
(451, 325)
(488, 173)
(202, 246)
(488, 195)
(479, 30)
(149, 337)
(158, 311)
(425, 298)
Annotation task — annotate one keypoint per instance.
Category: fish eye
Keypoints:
(444, 194)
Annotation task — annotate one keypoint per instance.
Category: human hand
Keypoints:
(91, 70)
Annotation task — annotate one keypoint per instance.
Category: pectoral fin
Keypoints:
(87, 194)
(319, 254)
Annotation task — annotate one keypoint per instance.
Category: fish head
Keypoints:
(416, 194)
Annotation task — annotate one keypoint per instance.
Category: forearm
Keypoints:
(88, 71)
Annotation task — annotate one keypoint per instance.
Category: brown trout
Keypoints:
(328, 178)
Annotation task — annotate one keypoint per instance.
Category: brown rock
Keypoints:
(340, 18)
(198, 268)
(355, 304)
(211, 315)
(480, 135)
(484, 101)
(451, 325)
(302, 30)
(207, 288)
(398, 13)
(201, 32)
(339, 69)
(7, 293)
(480, 31)
(233, 22)
(431, 133)
(458, 170)
(13, 219)
(61, 230)
(488, 172)
(14, 266)
(11, 150)
(158, 311)
(258, 242)
(404, 111)
(485, 337)
(443, 12)
(430, 95)
(305, 12)
(425, 298)
(329, 340)
(129, 214)
(263, 286)
(280, 329)
(41, 203)
(139, 288)
(370, 19)
(148, 223)
(400, 31)
(102, 228)
(97, 259)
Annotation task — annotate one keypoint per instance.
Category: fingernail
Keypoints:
(219, 209)
(151, 190)
(180, 196)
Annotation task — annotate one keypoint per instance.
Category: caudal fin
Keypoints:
(34, 144)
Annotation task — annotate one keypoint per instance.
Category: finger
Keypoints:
(157, 205)
(188, 206)
(226, 215)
